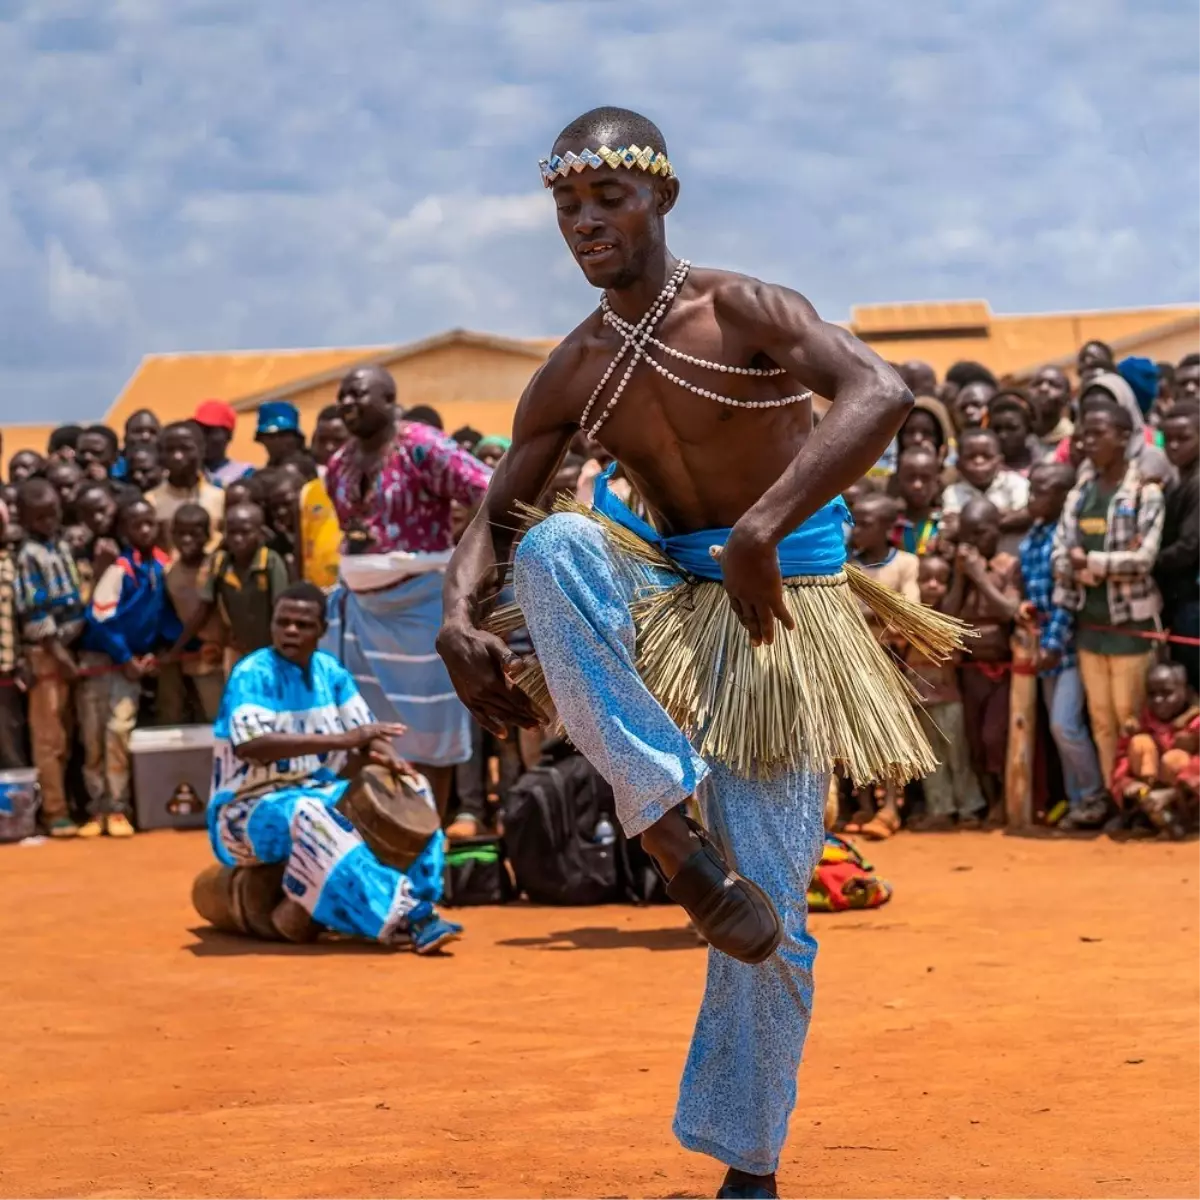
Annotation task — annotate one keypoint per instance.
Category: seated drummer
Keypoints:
(291, 732)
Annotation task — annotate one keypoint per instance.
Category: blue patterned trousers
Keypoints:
(739, 1083)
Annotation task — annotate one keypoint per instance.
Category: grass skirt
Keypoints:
(825, 695)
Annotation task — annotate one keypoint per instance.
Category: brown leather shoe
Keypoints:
(731, 913)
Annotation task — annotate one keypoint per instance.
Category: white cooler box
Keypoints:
(172, 776)
(20, 798)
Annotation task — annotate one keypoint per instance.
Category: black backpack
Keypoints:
(641, 881)
(554, 818)
(476, 873)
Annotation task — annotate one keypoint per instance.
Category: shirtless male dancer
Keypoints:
(726, 439)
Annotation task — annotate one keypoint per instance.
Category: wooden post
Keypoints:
(1022, 730)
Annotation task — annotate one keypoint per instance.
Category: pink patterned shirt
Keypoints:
(407, 507)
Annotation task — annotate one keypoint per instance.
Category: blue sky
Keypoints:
(211, 174)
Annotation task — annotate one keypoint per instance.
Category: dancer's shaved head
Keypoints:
(612, 127)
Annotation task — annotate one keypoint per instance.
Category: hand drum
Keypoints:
(396, 815)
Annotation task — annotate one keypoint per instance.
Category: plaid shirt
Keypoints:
(1057, 623)
(1135, 524)
(9, 641)
(1009, 492)
(48, 592)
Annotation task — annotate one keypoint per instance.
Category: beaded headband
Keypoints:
(556, 167)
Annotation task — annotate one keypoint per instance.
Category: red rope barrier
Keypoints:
(113, 668)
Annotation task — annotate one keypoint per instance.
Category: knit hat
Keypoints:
(1142, 375)
(492, 442)
(1123, 394)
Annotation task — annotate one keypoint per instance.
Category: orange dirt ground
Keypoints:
(1021, 1020)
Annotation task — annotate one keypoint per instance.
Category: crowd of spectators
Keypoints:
(135, 571)
(1062, 519)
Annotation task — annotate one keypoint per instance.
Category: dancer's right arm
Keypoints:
(542, 430)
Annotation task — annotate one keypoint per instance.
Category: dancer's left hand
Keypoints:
(750, 569)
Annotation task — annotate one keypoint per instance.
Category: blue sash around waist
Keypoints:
(818, 547)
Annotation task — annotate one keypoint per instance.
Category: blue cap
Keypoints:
(278, 416)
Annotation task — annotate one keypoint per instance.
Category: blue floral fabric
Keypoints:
(739, 1084)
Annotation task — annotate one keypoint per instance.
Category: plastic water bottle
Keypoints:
(604, 834)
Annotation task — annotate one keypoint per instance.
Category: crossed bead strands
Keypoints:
(635, 341)
(638, 337)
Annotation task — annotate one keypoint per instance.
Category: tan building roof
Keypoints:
(476, 378)
(171, 385)
(1015, 346)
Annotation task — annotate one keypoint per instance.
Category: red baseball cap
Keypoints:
(216, 413)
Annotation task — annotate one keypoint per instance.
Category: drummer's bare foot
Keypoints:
(731, 913)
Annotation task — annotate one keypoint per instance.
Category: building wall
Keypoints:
(23, 437)
(469, 385)
(1015, 344)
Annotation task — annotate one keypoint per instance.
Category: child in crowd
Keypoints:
(240, 581)
(190, 688)
(1157, 772)
(329, 436)
(929, 425)
(1104, 552)
(1010, 418)
(181, 449)
(13, 676)
(24, 465)
(141, 432)
(66, 477)
(1178, 565)
(490, 450)
(60, 446)
(142, 429)
(142, 468)
(51, 614)
(983, 476)
(985, 593)
(969, 406)
(96, 509)
(1057, 667)
(953, 789)
(97, 513)
(916, 529)
(281, 504)
(96, 452)
(242, 491)
(217, 421)
(874, 518)
(1050, 397)
(129, 617)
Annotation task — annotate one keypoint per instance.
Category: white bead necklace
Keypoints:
(638, 337)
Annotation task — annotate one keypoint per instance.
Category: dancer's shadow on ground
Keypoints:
(607, 937)
(213, 943)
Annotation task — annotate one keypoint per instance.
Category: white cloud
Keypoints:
(78, 296)
(212, 174)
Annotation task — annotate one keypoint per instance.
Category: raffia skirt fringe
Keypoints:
(825, 695)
